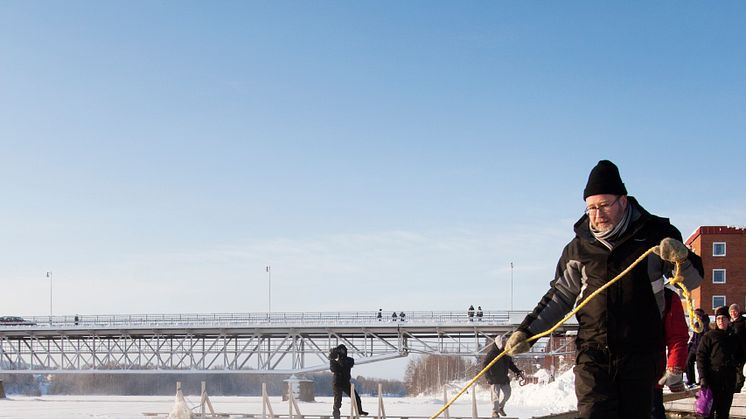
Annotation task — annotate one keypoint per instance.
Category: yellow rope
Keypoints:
(675, 280)
(695, 323)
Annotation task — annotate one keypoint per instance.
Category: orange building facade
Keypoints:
(723, 253)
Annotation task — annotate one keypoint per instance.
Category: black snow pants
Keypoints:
(614, 386)
(338, 390)
(722, 384)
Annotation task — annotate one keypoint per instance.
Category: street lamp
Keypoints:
(269, 298)
(49, 275)
(511, 286)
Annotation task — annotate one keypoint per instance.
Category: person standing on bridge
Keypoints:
(620, 331)
(341, 366)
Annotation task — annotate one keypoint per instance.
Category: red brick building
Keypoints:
(723, 253)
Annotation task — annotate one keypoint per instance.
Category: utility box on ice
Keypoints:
(302, 388)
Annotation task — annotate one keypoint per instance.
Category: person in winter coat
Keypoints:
(719, 354)
(497, 377)
(341, 366)
(470, 313)
(676, 333)
(620, 332)
(691, 380)
(739, 327)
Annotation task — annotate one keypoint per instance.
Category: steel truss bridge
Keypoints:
(246, 343)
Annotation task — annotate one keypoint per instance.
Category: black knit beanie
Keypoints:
(722, 311)
(604, 180)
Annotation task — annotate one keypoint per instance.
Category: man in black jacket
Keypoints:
(718, 356)
(497, 376)
(620, 331)
(341, 366)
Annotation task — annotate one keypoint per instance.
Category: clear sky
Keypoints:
(157, 155)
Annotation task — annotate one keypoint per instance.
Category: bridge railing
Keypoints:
(353, 318)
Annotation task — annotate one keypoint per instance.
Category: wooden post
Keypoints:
(353, 402)
(2, 390)
(381, 410)
(266, 405)
(202, 401)
(205, 400)
(474, 413)
(445, 400)
(292, 403)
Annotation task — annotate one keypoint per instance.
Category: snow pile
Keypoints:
(181, 409)
(561, 392)
(525, 401)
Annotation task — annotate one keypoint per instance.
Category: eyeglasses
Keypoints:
(602, 207)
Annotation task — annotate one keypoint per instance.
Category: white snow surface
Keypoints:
(526, 402)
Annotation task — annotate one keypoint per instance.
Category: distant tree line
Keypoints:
(430, 373)
(165, 384)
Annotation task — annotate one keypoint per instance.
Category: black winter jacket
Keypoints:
(498, 373)
(739, 327)
(627, 317)
(718, 356)
(341, 367)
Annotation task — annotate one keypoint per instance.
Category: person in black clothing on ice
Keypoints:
(470, 313)
(497, 376)
(719, 355)
(341, 365)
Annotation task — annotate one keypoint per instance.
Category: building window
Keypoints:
(718, 276)
(718, 249)
(718, 301)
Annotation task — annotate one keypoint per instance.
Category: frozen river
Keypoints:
(526, 402)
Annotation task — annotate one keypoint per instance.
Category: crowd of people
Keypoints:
(632, 336)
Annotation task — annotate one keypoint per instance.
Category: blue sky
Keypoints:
(156, 156)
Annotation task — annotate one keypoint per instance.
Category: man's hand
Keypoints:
(671, 250)
(673, 379)
(517, 343)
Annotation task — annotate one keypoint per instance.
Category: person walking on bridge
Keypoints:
(620, 332)
(341, 366)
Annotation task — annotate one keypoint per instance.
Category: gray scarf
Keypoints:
(608, 237)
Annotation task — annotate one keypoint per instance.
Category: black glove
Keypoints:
(333, 354)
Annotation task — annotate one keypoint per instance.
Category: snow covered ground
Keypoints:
(526, 402)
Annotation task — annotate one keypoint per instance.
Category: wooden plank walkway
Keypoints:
(684, 408)
(678, 406)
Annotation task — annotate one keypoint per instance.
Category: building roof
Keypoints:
(705, 230)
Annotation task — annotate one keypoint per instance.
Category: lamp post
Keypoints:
(269, 289)
(511, 286)
(49, 275)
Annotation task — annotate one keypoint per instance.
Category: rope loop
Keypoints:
(695, 323)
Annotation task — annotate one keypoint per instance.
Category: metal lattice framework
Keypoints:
(280, 343)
